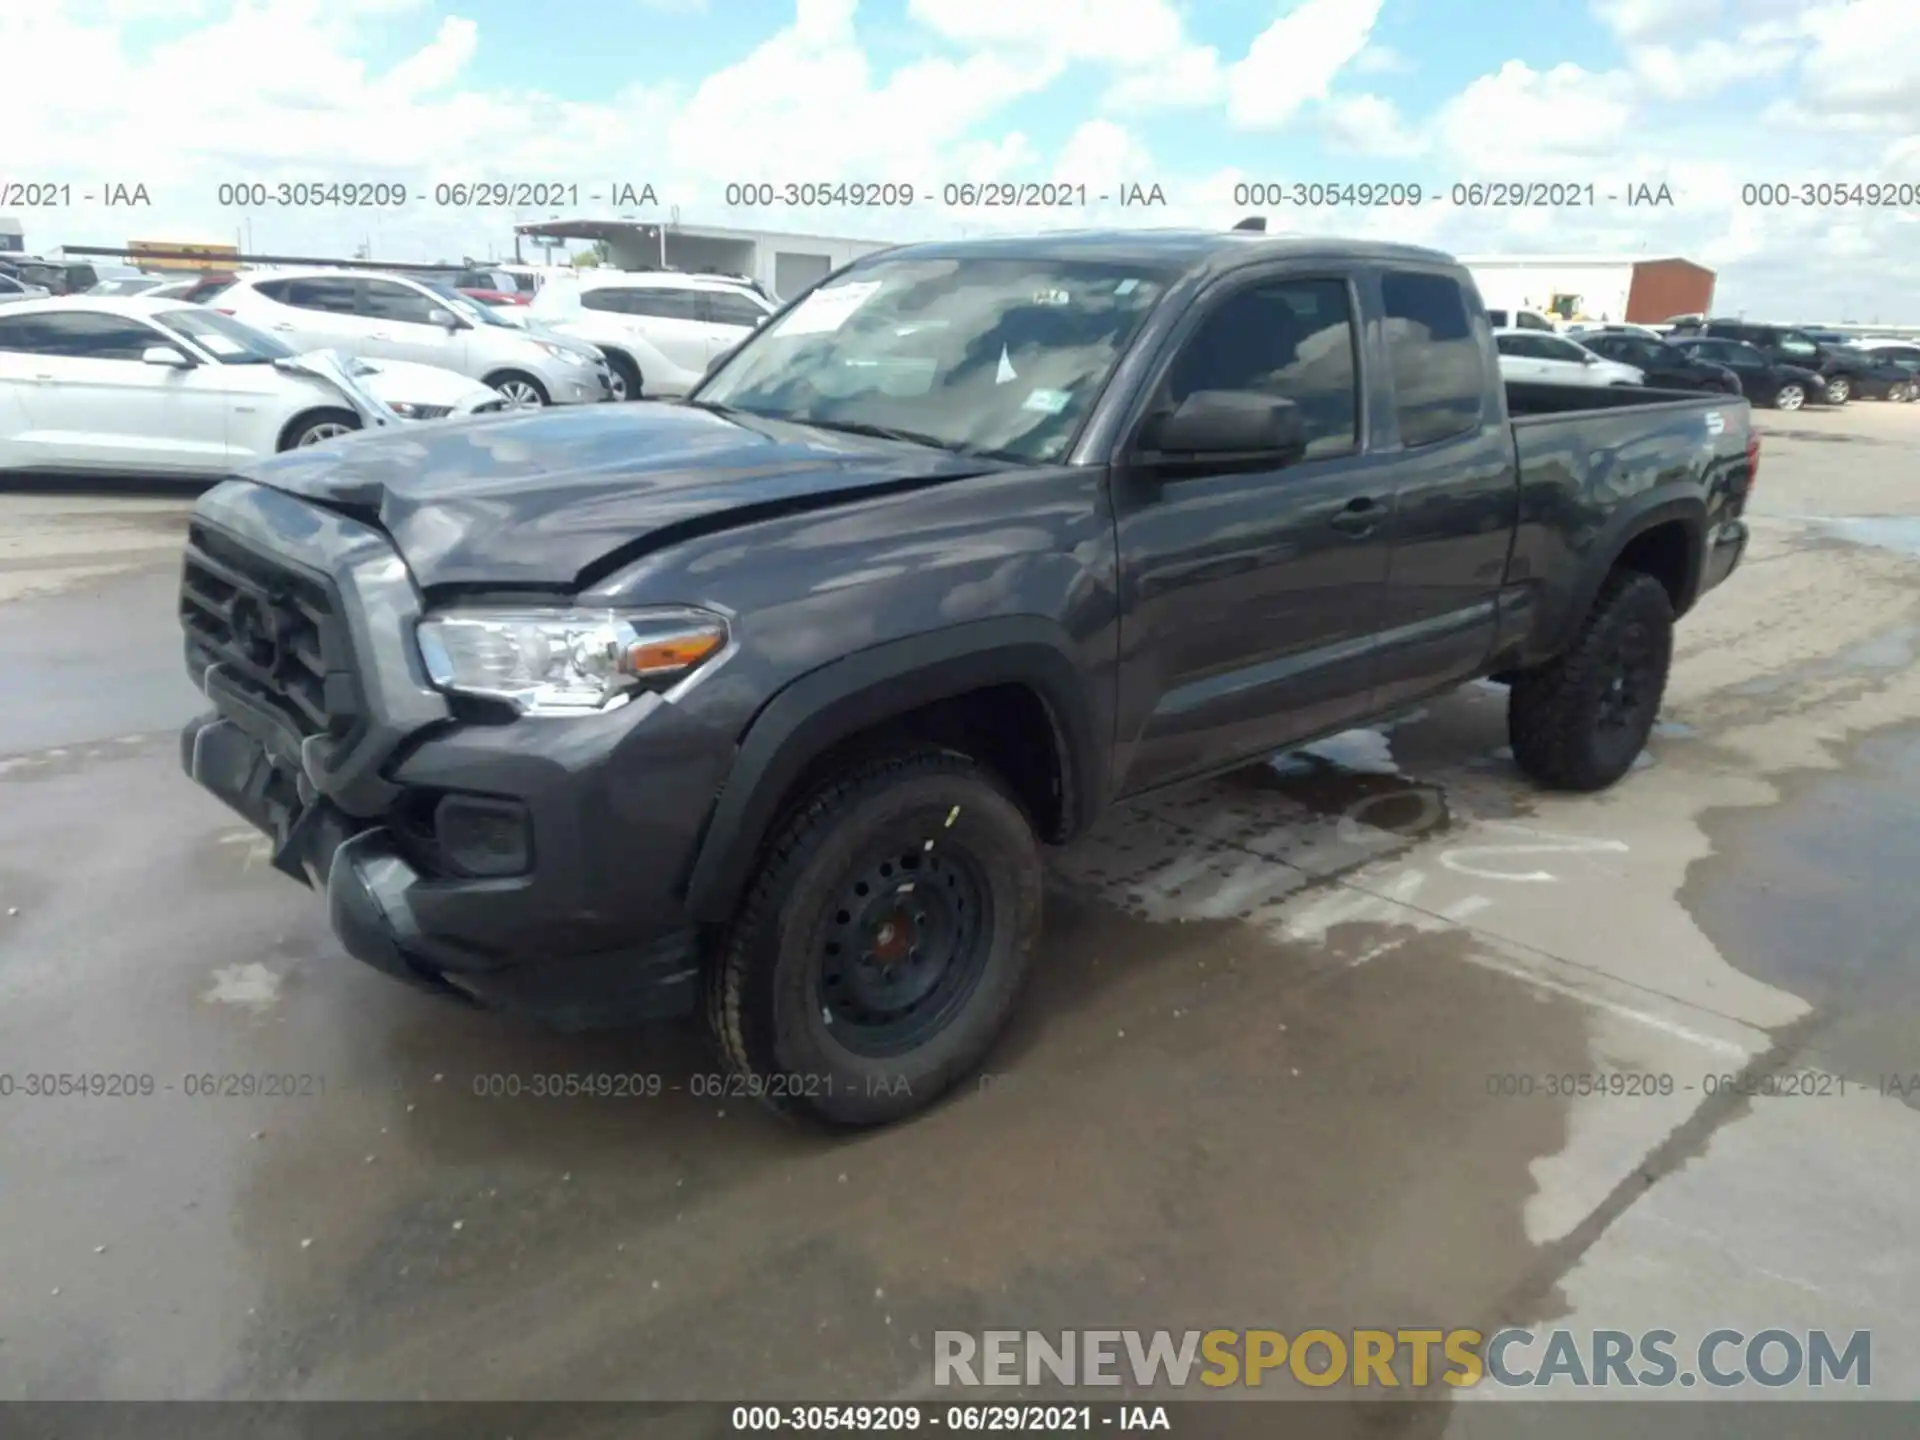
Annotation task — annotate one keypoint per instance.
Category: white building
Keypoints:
(13, 240)
(1637, 288)
(784, 262)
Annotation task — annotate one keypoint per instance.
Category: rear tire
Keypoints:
(627, 380)
(1839, 390)
(883, 943)
(1581, 720)
(1789, 397)
(318, 427)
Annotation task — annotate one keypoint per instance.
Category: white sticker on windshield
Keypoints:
(1006, 371)
(1052, 297)
(1047, 402)
(1126, 287)
(827, 309)
(221, 345)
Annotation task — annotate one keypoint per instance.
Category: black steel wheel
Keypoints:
(1581, 720)
(904, 945)
(881, 947)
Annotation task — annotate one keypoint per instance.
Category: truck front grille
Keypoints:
(273, 633)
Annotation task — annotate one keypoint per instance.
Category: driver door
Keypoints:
(1250, 600)
(94, 404)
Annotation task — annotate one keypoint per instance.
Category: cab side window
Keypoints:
(78, 335)
(390, 300)
(1439, 378)
(1292, 339)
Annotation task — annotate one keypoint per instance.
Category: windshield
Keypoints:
(989, 356)
(230, 341)
(465, 306)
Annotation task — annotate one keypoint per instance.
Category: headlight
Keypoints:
(410, 411)
(570, 662)
(571, 357)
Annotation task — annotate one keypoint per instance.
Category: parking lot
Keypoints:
(1285, 1061)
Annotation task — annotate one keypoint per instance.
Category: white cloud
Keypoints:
(1639, 21)
(1378, 59)
(1372, 126)
(1191, 75)
(810, 103)
(1865, 63)
(1520, 116)
(1144, 40)
(1295, 60)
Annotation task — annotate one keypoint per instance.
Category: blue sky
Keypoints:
(1700, 95)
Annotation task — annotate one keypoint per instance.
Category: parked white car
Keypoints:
(1530, 355)
(136, 387)
(659, 330)
(1521, 319)
(12, 289)
(398, 317)
(1611, 327)
(128, 285)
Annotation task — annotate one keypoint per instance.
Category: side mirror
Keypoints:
(166, 355)
(446, 320)
(1225, 423)
(1589, 359)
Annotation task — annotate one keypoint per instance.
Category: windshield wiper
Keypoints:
(884, 432)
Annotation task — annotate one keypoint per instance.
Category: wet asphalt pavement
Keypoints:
(1265, 1075)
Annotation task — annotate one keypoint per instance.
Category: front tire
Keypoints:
(519, 389)
(1581, 720)
(881, 948)
(1839, 390)
(318, 427)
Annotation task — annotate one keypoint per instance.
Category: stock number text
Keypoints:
(304, 194)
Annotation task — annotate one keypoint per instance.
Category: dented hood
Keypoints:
(545, 497)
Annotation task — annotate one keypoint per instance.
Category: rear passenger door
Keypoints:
(1456, 494)
(1248, 596)
(729, 319)
(670, 320)
(311, 313)
(1521, 357)
(1565, 363)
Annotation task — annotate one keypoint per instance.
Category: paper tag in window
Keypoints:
(827, 309)
(221, 345)
(1047, 402)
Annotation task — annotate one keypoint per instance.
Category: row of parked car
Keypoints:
(149, 376)
(1777, 366)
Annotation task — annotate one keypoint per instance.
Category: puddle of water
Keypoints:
(1815, 895)
(1884, 532)
(1364, 752)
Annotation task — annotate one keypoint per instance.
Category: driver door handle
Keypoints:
(1361, 515)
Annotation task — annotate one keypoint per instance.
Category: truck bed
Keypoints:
(1536, 399)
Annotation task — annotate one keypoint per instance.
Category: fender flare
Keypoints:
(840, 699)
(1620, 531)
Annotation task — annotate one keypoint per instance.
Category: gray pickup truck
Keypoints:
(765, 702)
